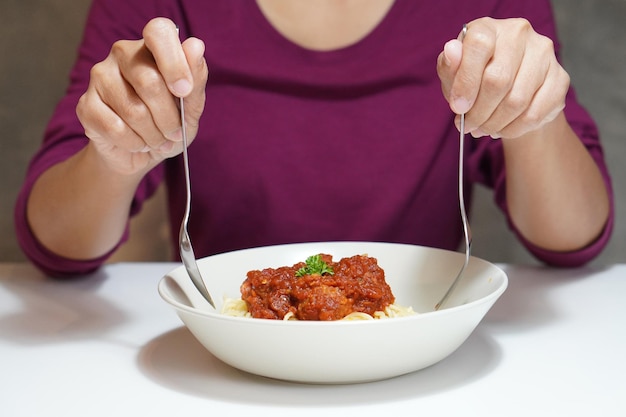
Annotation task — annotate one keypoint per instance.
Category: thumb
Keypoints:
(194, 102)
(448, 64)
(452, 52)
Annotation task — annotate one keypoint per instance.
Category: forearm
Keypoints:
(79, 208)
(556, 195)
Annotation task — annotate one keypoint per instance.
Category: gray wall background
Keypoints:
(38, 42)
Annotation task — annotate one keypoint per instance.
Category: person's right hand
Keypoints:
(130, 109)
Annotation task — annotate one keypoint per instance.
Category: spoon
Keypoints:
(466, 228)
(186, 250)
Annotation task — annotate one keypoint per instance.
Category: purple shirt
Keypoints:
(299, 145)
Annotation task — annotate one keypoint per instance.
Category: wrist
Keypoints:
(119, 166)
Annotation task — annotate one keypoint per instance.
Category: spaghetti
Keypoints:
(236, 307)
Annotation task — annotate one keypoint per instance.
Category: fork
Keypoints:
(466, 227)
(186, 250)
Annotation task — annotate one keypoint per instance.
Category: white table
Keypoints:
(107, 345)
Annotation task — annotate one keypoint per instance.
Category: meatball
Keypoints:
(355, 284)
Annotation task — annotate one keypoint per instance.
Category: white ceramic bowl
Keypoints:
(340, 351)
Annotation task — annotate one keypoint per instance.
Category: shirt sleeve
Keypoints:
(486, 163)
(107, 22)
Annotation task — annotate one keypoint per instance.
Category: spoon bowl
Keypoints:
(187, 254)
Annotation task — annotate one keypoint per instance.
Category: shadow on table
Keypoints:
(526, 302)
(178, 361)
(53, 311)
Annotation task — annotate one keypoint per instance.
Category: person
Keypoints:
(315, 121)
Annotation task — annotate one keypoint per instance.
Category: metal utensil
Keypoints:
(186, 250)
(466, 228)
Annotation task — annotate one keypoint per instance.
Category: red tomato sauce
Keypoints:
(357, 285)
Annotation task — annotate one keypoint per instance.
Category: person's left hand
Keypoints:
(504, 76)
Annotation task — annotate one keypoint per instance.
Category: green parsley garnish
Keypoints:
(315, 265)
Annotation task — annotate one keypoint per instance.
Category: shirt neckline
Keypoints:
(366, 42)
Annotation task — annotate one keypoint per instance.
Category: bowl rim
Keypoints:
(216, 314)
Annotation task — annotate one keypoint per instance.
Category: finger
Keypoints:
(530, 77)
(134, 90)
(103, 125)
(99, 113)
(448, 64)
(161, 39)
(194, 102)
(139, 117)
(547, 103)
(149, 108)
(478, 49)
(508, 68)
